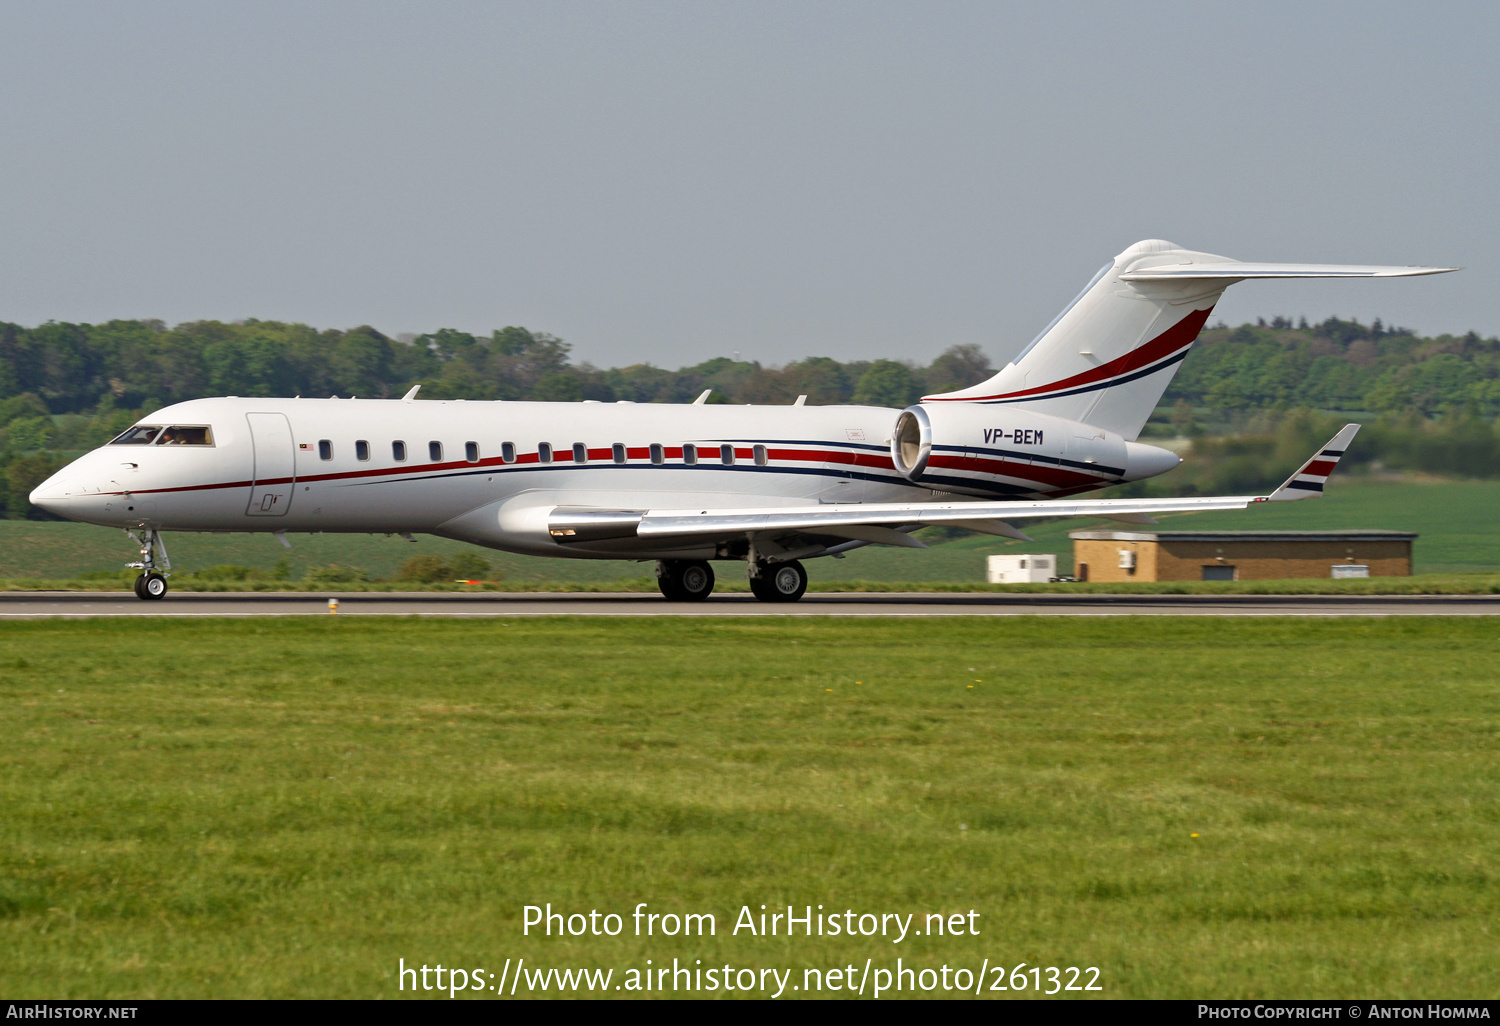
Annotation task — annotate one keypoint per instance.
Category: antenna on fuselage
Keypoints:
(409, 396)
(703, 398)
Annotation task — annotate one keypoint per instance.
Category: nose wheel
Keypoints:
(152, 583)
(150, 586)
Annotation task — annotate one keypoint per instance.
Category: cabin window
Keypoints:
(362, 450)
(507, 452)
(181, 435)
(141, 434)
(690, 454)
(617, 452)
(760, 456)
(726, 455)
(471, 452)
(435, 451)
(398, 452)
(544, 453)
(325, 449)
(657, 455)
(580, 453)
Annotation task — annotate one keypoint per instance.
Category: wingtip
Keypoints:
(1308, 481)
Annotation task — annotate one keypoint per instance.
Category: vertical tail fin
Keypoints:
(1109, 356)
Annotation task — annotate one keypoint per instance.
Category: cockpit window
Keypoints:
(141, 434)
(186, 435)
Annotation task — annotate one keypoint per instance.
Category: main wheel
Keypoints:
(780, 582)
(696, 580)
(151, 586)
(685, 580)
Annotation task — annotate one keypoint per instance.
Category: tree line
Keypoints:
(65, 388)
(1339, 365)
(72, 368)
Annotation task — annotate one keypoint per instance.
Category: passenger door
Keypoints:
(275, 474)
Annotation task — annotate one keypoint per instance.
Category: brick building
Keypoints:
(1239, 555)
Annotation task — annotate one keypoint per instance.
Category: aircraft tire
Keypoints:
(685, 580)
(695, 580)
(780, 582)
(152, 586)
(140, 591)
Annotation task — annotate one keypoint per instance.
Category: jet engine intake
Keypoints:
(995, 450)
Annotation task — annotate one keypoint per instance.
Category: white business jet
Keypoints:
(689, 484)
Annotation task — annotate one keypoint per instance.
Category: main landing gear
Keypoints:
(685, 580)
(152, 583)
(692, 580)
(778, 582)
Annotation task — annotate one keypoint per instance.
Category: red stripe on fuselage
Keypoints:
(1055, 477)
(1066, 481)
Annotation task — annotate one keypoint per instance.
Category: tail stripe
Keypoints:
(1139, 362)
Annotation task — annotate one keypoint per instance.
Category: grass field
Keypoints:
(1199, 808)
(1457, 520)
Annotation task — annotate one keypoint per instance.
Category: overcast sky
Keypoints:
(668, 182)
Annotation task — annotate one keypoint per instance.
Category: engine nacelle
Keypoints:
(995, 450)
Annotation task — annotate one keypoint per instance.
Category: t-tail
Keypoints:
(1109, 356)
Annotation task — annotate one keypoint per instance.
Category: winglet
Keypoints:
(1308, 481)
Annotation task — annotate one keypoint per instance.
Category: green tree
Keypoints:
(27, 404)
(557, 387)
(1185, 419)
(819, 378)
(468, 566)
(958, 367)
(424, 569)
(887, 383)
(362, 362)
(23, 474)
(28, 434)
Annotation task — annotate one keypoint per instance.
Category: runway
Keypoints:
(74, 605)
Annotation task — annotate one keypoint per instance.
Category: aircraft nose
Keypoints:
(56, 493)
(49, 496)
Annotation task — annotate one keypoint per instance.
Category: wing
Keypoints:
(887, 523)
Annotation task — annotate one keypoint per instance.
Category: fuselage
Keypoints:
(491, 472)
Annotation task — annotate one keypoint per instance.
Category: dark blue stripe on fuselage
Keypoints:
(1021, 457)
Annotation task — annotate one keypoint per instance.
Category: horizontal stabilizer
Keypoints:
(1234, 270)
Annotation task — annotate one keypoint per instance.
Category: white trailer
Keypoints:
(1022, 568)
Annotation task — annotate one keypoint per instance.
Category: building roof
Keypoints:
(1253, 536)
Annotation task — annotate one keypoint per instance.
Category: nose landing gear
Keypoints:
(152, 583)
